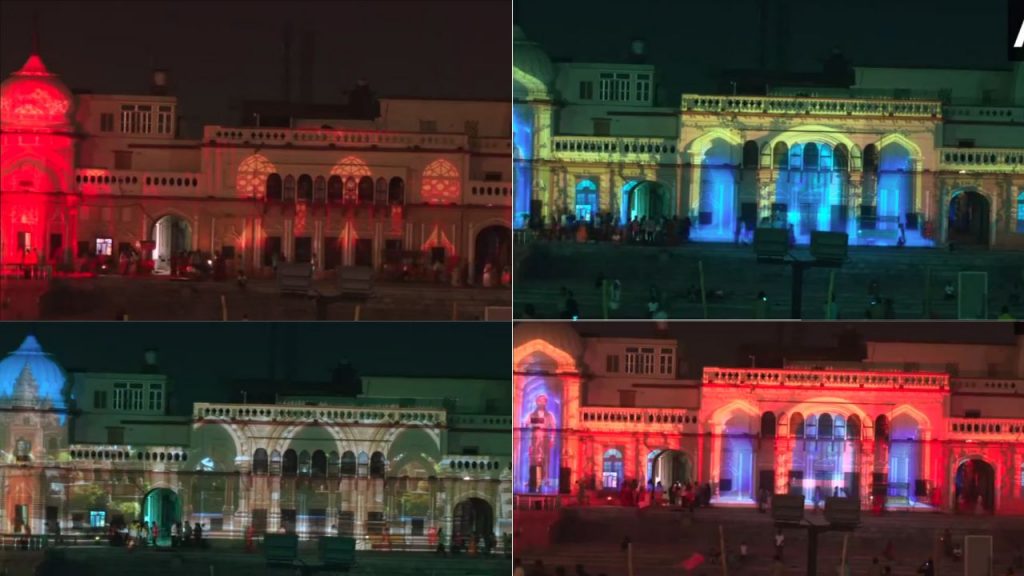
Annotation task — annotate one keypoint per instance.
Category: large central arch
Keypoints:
(969, 218)
(161, 507)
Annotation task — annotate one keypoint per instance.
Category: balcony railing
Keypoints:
(986, 386)
(480, 421)
(982, 159)
(489, 193)
(805, 106)
(127, 453)
(825, 379)
(134, 182)
(491, 145)
(614, 418)
(477, 466)
(597, 147)
(987, 114)
(323, 414)
(329, 138)
(986, 428)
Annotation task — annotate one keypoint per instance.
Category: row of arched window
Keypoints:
(810, 156)
(335, 190)
(823, 426)
(318, 464)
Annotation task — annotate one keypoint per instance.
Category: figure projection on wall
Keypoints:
(541, 424)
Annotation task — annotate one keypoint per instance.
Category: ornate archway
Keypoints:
(968, 218)
(974, 486)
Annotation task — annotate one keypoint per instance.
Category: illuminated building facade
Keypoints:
(88, 176)
(388, 465)
(937, 152)
(943, 432)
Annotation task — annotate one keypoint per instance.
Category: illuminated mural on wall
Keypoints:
(252, 175)
(538, 463)
(522, 150)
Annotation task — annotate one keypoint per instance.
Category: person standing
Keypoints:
(780, 544)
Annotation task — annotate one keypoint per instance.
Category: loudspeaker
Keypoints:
(920, 488)
(565, 480)
(725, 485)
(536, 214)
(704, 218)
(912, 220)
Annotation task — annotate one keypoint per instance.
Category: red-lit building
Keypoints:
(920, 426)
(89, 176)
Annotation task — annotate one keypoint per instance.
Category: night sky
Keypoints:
(200, 355)
(690, 42)
(221, 52)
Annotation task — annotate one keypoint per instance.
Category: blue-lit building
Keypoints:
(932, 156)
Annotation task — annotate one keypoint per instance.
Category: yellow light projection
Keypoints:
(252, 175)
(441, 183)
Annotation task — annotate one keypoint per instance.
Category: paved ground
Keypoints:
(160, 298)
(662, 539)
(914, 278)
(107, 561)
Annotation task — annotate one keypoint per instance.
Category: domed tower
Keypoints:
(37, 163)
(32, 404)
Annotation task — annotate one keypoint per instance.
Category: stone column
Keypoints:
(917, 165)
(229, 499)
(867, 468)
(695, 175)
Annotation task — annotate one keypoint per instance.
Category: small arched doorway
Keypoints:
(669, 466)
(969, 214)
(975, 487)
(494, 247)
(472, 516)
(161, 506)
(644, 198)
(172, 234)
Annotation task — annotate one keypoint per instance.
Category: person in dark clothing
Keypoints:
(572, 308)
(927, 569)
(197, 532)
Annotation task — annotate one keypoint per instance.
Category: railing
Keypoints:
(982, 159)
(824, 378)
(333, 138)
(807, 106)
(491, 145)
(480, 465)
(1000, 114)
(981, 428)
(489, 192)
(102, 181)
(986, 385)
(127, 453)
(590, 147)
(324, 414)
(599, 417)
(484, 421)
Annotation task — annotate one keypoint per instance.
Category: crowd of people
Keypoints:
(142, 533)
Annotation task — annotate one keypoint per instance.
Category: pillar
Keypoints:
(917, 165)
(695, 175)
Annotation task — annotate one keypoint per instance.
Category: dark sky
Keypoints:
(690, 41)
(200, 355)
(219, 52)
(718, 343)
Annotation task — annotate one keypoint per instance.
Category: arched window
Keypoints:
(856, 162)
(275, 463)
(396, 191)
(274, 187)
(825, 426)
(320, 190)
(348, 463)
(319, 467)
(611, 470)
(853, 427)
(333, 464)
(441, 183)
(351, 190)
(305, 462)
(260, 465)
(796, 425)
(796, 157)
(810, 156)
(290, 464)
(380, 195)
(305, 188)
(824, 157)
(334, 189)
(586, 200)
(366, 190)
(766, 156)
(768, 425)
(842, 157)
(780, 155)
(882, 428)
(252, 175)
(811, 426)
(289, 188)
(871, 158)
(839, 428)
(1020, 213)
(377, 465)
(750, 154)
(363, 462)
